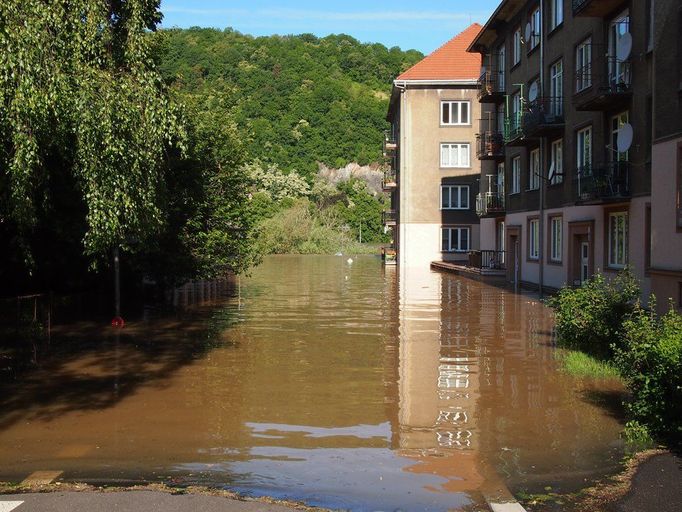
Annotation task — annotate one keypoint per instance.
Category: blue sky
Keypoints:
(424, 25)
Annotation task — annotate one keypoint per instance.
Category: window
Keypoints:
(534, 170)
(556, 13)
(583, 65)
(454, 197)
(617, 122)
(556, 168)
(584, 149)
(618, 240)
(499, 183)
(455, 239)
(516, 47)
(534, 239)
(501, 65)
(619, 71)
(454, 155)
(516, 175)
(535, 28)
(455, 112)
(556, 85)
(556, 239)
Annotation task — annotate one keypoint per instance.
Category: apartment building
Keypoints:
(666, 193)
(566, 92)
(434, 173)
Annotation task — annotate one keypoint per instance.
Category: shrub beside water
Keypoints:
(590, 318)
(650, 361)
(604, 318)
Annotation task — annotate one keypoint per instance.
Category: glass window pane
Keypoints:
(455, 112)
(446, 113)
(465, 240)
(446, 239)
(465, 113)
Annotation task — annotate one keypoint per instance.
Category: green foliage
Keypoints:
(361, 212)
(302, 99)
(302, 229)
(650, 360)
(580, 364)
(274, 183)
(77, 85)
(590, 318)
(637, 436)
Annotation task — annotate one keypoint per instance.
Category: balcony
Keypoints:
(389, 217)
(595, 8)
(488, 263)
(603, 183)
(491, 87)
(490, 145)
(544, 116)
(603, 86)
(390, 144)
(513, 129)
(490, 204)
(390, 180)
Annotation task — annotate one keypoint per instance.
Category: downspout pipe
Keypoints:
(543, 144)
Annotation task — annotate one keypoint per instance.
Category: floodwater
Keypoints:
(343, 385)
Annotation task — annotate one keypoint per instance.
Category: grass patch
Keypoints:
(579, 364)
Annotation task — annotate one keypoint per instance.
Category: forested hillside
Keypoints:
(298, 100)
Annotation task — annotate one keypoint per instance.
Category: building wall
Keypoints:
(666, 258)
(420, 217)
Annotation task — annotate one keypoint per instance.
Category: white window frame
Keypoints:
(462, 159)
(583, 145)
(501, 66)
(455, 107)
(556, 13)
(556, 87)
(557, 158)
(534, 239)
(536, 29)
(516, 175)
(534, 169)
(618, 240)
(454, 234)
(516, 47)
(556, 239)
(460, 194)
(583, 65)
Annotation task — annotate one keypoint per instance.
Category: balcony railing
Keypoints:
(390, 144)
(490, 203)
(390, 180)
(491, 86)
(487, 260)
(610, 181)
(490, 145)
(513, 127)
(603, 85)
(389, 217)
(544, 115)
(595, 8)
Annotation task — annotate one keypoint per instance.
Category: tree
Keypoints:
(77, 86)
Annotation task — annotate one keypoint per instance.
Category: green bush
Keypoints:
(650, 360)
(590, 318)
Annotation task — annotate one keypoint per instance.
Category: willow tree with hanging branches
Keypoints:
(77, 83)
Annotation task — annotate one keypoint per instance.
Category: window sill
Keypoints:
(455, 168)
(533, 50)
(555, 185)
(514, 193)
(532, 189)
(555, 30)
(456, 125)
(455, 209)
(514, 66)
(556, 263)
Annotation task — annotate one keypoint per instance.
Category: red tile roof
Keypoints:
(449, 62)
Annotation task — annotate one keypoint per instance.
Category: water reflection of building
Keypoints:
(438, 385)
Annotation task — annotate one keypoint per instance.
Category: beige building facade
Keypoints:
(434, 114)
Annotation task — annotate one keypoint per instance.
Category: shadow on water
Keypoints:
(88, 367)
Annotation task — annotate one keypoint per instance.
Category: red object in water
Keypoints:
(118, 322)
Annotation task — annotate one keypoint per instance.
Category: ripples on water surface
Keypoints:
(348, 386)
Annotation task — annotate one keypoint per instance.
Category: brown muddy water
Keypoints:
(343, 385)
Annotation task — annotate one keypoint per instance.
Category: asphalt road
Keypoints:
(656, 487)
(133, 501)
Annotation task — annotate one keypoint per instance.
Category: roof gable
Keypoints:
(449, 62)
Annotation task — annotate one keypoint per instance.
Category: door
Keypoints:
(584, 262)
